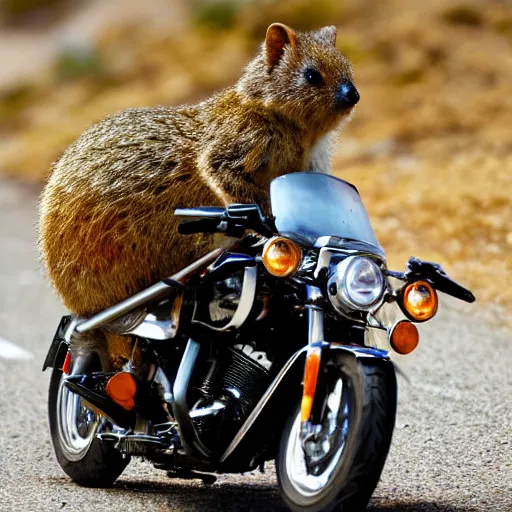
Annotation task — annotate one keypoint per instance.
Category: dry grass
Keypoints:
(431, 154)
(429, 147)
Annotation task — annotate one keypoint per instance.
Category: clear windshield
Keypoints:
(308, 206)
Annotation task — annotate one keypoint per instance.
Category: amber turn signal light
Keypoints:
(121, 388)
(419, 301)
(310, 379)
(404, 337)
(281, 256)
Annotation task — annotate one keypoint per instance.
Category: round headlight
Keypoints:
(357, 283)
(364, 282)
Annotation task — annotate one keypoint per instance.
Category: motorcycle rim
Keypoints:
(77, 424)
(326, 452)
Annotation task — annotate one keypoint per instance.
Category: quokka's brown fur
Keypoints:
(107, 228)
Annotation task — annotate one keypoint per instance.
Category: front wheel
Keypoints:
(340, 466)
(73, 428)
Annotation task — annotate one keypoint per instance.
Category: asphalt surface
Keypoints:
(452, 449)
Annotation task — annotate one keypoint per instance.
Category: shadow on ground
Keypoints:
(252, 496)
(205, 498)
(256, 497)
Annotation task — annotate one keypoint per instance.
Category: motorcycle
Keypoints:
(275, 348)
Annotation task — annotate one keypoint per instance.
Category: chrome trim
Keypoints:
(126, 323)
(259, 406)
(323, 241)
(70, 329)
(205, 212)
(245, 304)
(234, 392)
(314, 294)
(154, 329)
(246, 299)
(188, 434)
(161, 378)
(165, 428)
(326, 252)
(127, 306)
(324, 260)
(361, 352)
(375, 323)
(384, 319)
(350, 247)
(315, 316)
(145, 438)
(149, 294)
(121, 439)
(209, 410)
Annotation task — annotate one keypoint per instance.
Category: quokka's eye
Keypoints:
(313, 76)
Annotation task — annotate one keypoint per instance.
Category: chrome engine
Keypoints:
(247, 375)
(238, 374)
(230, 391)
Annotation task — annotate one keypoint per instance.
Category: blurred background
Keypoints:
(430, 146)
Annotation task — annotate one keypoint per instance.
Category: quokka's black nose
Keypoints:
(346, 95)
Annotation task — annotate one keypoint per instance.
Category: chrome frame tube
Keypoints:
(315, 325)
(210, 410)
(315, 315)
(188, 434)
(149, 294)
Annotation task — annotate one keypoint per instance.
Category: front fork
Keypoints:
(316, 343)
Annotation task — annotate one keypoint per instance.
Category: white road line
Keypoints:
(11, 351)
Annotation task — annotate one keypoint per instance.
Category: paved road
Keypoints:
(452, 449)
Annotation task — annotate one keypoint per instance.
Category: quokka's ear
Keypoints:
(278, 35)
(328, 34)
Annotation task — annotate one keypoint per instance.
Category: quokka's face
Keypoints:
(309, 76)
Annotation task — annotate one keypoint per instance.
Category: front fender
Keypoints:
(360, 352)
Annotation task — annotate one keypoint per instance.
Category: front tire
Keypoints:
(73, 426)
(345, 465)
